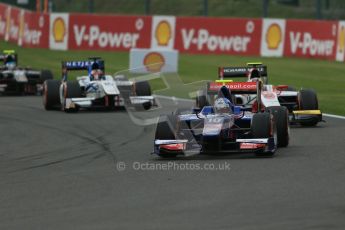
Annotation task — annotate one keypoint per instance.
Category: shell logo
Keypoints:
(154, 61)
(163, 33)
(59, 30)
(341, 39)
(273, 36)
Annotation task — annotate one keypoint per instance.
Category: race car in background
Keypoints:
(96, 89)
(223, 127)
(20, 80)
(302, 105)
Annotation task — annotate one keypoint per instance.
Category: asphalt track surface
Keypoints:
(59, 171)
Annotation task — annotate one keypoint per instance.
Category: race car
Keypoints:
(96, 89)
(20, 80)
(302, 105)
(222, 126)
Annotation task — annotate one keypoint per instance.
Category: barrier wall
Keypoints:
(199, 35)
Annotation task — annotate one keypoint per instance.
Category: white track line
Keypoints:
(182, 99)
(333, 116)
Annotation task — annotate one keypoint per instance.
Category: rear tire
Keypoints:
(281, 117)
(46, 75)
(165, 130)
(51, 97)
(143, 88)
(308, 101)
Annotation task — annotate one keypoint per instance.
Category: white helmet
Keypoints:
(222, 105)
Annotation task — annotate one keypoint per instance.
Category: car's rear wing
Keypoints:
(234, 87)
(232, 72)
(81, 65)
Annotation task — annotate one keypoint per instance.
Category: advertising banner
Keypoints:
(98, 32)
(310, 39)
(272, 37)
(36, 30)
(13, 25)
(340, 41)
(218, 35)
(58, 31)
(152, 61)
(5, 11)
(163, 32)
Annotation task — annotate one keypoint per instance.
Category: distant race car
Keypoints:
(95, 89)
(20, 80)
(302, 105)
(223, 127)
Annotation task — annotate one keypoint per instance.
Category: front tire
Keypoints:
(307, 100)
(262, 127)
(165, 130)
(281, 118)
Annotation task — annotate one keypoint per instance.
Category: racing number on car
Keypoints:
(215, 120)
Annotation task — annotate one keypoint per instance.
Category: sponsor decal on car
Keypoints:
(234, 86)
(251, 146)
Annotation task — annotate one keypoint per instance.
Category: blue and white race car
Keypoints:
(223, 127)
(96, 89)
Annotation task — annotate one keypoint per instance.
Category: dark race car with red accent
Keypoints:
(20, 80)
(221, 126)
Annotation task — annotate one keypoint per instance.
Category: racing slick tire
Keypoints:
(51, 97)
(281, 117)
(70, 89)
(143, 88)
(262, 128)
(307, 100)
(46, 75)
(165, 130)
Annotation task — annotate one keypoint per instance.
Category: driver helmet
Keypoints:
(96, 72)
(254, 75)
(224, 92)
(10, 62)
(222, 105)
